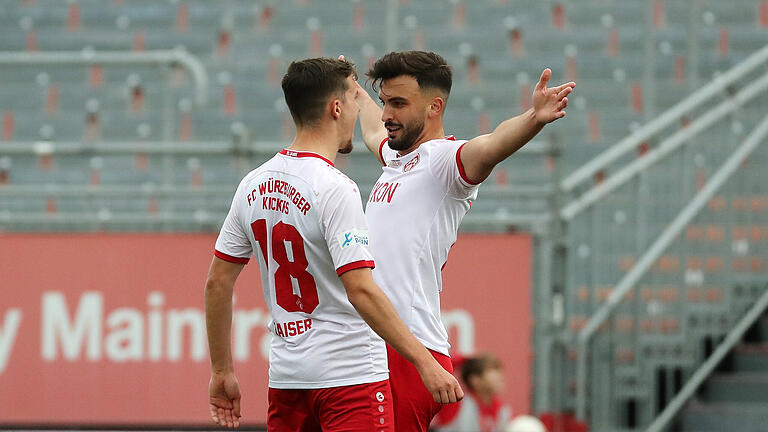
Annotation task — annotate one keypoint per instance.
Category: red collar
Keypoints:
(302, 154)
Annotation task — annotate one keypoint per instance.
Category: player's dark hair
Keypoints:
(309, 84)
(430, 69)
(476, 366)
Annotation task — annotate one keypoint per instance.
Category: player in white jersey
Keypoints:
(303, 220)
(427, 186)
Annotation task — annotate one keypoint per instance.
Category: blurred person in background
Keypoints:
(428, 184)
(482, 410)
(304, 221)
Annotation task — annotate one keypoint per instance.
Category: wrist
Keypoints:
(533, 118)
(425, 362)
(222, 370)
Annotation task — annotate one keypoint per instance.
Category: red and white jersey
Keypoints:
(304, 221)
(414, 212)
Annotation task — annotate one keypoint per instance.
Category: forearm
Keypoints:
(484, 152)
(376, 309)
(511, 135)
(370, 123)
(218, 320)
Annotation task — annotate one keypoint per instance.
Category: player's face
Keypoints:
(492, 381)
(405, 111)
(350, 110)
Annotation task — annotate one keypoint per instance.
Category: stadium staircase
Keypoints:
(736, 396)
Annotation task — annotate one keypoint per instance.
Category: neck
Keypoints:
(429, 134)
(485, 398)
(322, 141)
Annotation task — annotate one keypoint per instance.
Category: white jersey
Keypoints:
(304, 221)
(414, 212)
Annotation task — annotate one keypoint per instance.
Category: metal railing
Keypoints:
(666, 119)
(733, 337)
(88, 57)
(658, 247)
(667, 146)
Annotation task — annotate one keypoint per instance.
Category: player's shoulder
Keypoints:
(267, 166)
(447, 145)
(336, 182)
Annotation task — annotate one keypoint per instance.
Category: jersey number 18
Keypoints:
(306, 301)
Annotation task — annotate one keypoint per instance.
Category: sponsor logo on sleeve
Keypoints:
(353, 237)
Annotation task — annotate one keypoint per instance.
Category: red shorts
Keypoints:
(356, 408)
(414, 405)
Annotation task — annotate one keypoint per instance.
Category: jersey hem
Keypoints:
(354, 265)
(230, 258)
(440, 350)
(329, 384)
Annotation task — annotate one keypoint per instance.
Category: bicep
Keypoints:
(356, 278)
(476, 158)
(223, 272)
(375, 143)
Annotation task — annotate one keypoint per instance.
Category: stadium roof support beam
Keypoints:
(670, 233)
(87, 57)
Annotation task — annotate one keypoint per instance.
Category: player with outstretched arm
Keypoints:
(303, 220)
(428, 183)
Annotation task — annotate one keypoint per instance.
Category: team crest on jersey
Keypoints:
(353, 237)
(411, 163)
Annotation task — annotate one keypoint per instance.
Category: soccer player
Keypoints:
(304, 221)
(428, 183)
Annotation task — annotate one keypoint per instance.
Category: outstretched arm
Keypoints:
(370, 122)
(223, 389)
(375, 308)
(481, 154)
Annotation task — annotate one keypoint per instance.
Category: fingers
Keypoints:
(236, 411)
(544, 79)
(214, 415)
(222, 414)
(562, 87)
(459, 392)
(564, 92)
(236, 407)
(342, 58)
(444, 397)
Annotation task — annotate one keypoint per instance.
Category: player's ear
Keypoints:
(335, 109)
(436, 107)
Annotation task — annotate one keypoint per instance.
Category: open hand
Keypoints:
(224, 400)
(549, 103)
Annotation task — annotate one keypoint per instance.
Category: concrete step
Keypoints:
(720, 417)
(739, 387)
(758, 332)
(751, 358)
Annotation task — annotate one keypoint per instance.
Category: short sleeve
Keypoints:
(385, 152)
(233, 244)
(345, 229)
(446, 166)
